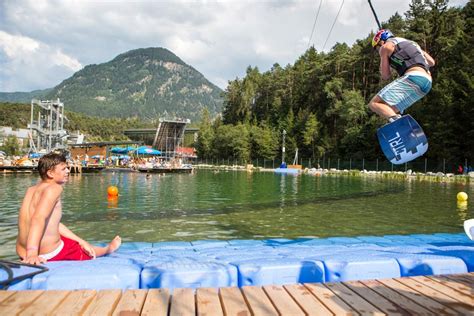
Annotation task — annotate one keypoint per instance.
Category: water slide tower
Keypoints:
(47, 126)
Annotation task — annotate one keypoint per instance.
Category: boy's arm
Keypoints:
(66, 232)
(429, 59)
(385, 53)
(38, 223)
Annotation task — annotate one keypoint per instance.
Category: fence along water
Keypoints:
(458, 166)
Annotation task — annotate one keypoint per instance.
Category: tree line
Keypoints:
(321, 100)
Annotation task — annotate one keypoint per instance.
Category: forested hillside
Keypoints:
(146, 83)
(321, 99)
(23, 97)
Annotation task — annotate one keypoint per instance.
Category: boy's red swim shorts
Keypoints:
(71, 251)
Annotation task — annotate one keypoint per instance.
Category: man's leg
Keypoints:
(380, 107)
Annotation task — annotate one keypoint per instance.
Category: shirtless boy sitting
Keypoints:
(41, 235)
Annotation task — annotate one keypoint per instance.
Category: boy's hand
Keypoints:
(36, 260)
(88, 248)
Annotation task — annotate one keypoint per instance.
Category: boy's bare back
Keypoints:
(41, 200)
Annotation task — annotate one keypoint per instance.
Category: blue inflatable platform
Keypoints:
(219, 263)
(288, 171)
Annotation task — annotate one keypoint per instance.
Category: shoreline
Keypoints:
(402, 175)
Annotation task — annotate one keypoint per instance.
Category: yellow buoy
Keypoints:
(461, 205)
(462, 197)
(112, 191)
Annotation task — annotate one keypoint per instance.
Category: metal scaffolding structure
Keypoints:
(169, 136)
(47, 126)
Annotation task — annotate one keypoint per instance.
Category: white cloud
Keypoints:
(17, 45)
(27, 64)
(61, 59)
(218, 38)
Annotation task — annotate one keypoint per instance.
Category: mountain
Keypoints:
(147, 83)
(23, 97)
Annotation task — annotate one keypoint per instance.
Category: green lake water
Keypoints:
(235, 204)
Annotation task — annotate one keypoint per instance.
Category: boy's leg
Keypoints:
(379, 106)
(398, 95)
(111, 247)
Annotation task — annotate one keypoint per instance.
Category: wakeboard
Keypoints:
(402, 140)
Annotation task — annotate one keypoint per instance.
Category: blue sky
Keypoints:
(43, 42)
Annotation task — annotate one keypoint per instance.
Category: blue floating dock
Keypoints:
(288, 171)
(190, 274)
(222, 263)
(279, 271)
(99, 274)
(360, 266)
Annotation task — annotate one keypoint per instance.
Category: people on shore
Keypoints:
(41, 235)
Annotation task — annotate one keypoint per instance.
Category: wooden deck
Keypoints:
(433, 295)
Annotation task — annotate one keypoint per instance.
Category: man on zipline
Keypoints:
(412, 65)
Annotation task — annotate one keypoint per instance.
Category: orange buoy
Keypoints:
(112, 191)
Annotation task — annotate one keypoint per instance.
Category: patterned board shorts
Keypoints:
(406, 90)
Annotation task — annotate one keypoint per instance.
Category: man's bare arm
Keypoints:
(385, 52)
(429, 59)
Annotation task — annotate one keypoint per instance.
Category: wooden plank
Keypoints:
(17, 302)
(307, 302)
(459, 278)
(375, 298)
(284, 303)
(157, 303)
(75, 303)
(233, 302)
(46, 303)
(182, 303)
(131, 303)
(458, 286)
(104, 302)
(462, 308)
(207, 302)
(419, 298)
(6, 294)
(404, 302)
(258, 301)
(460, 296)
(360, 305)
(331, 300)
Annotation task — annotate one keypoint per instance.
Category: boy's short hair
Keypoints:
(48, 162)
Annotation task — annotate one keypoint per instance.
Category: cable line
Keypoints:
(315, 20)
(375, 15)
(340, 8)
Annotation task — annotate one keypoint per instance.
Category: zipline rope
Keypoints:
(375, 15)
(335, 20)
(314, 25)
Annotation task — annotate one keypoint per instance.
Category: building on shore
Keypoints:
(21, 134)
